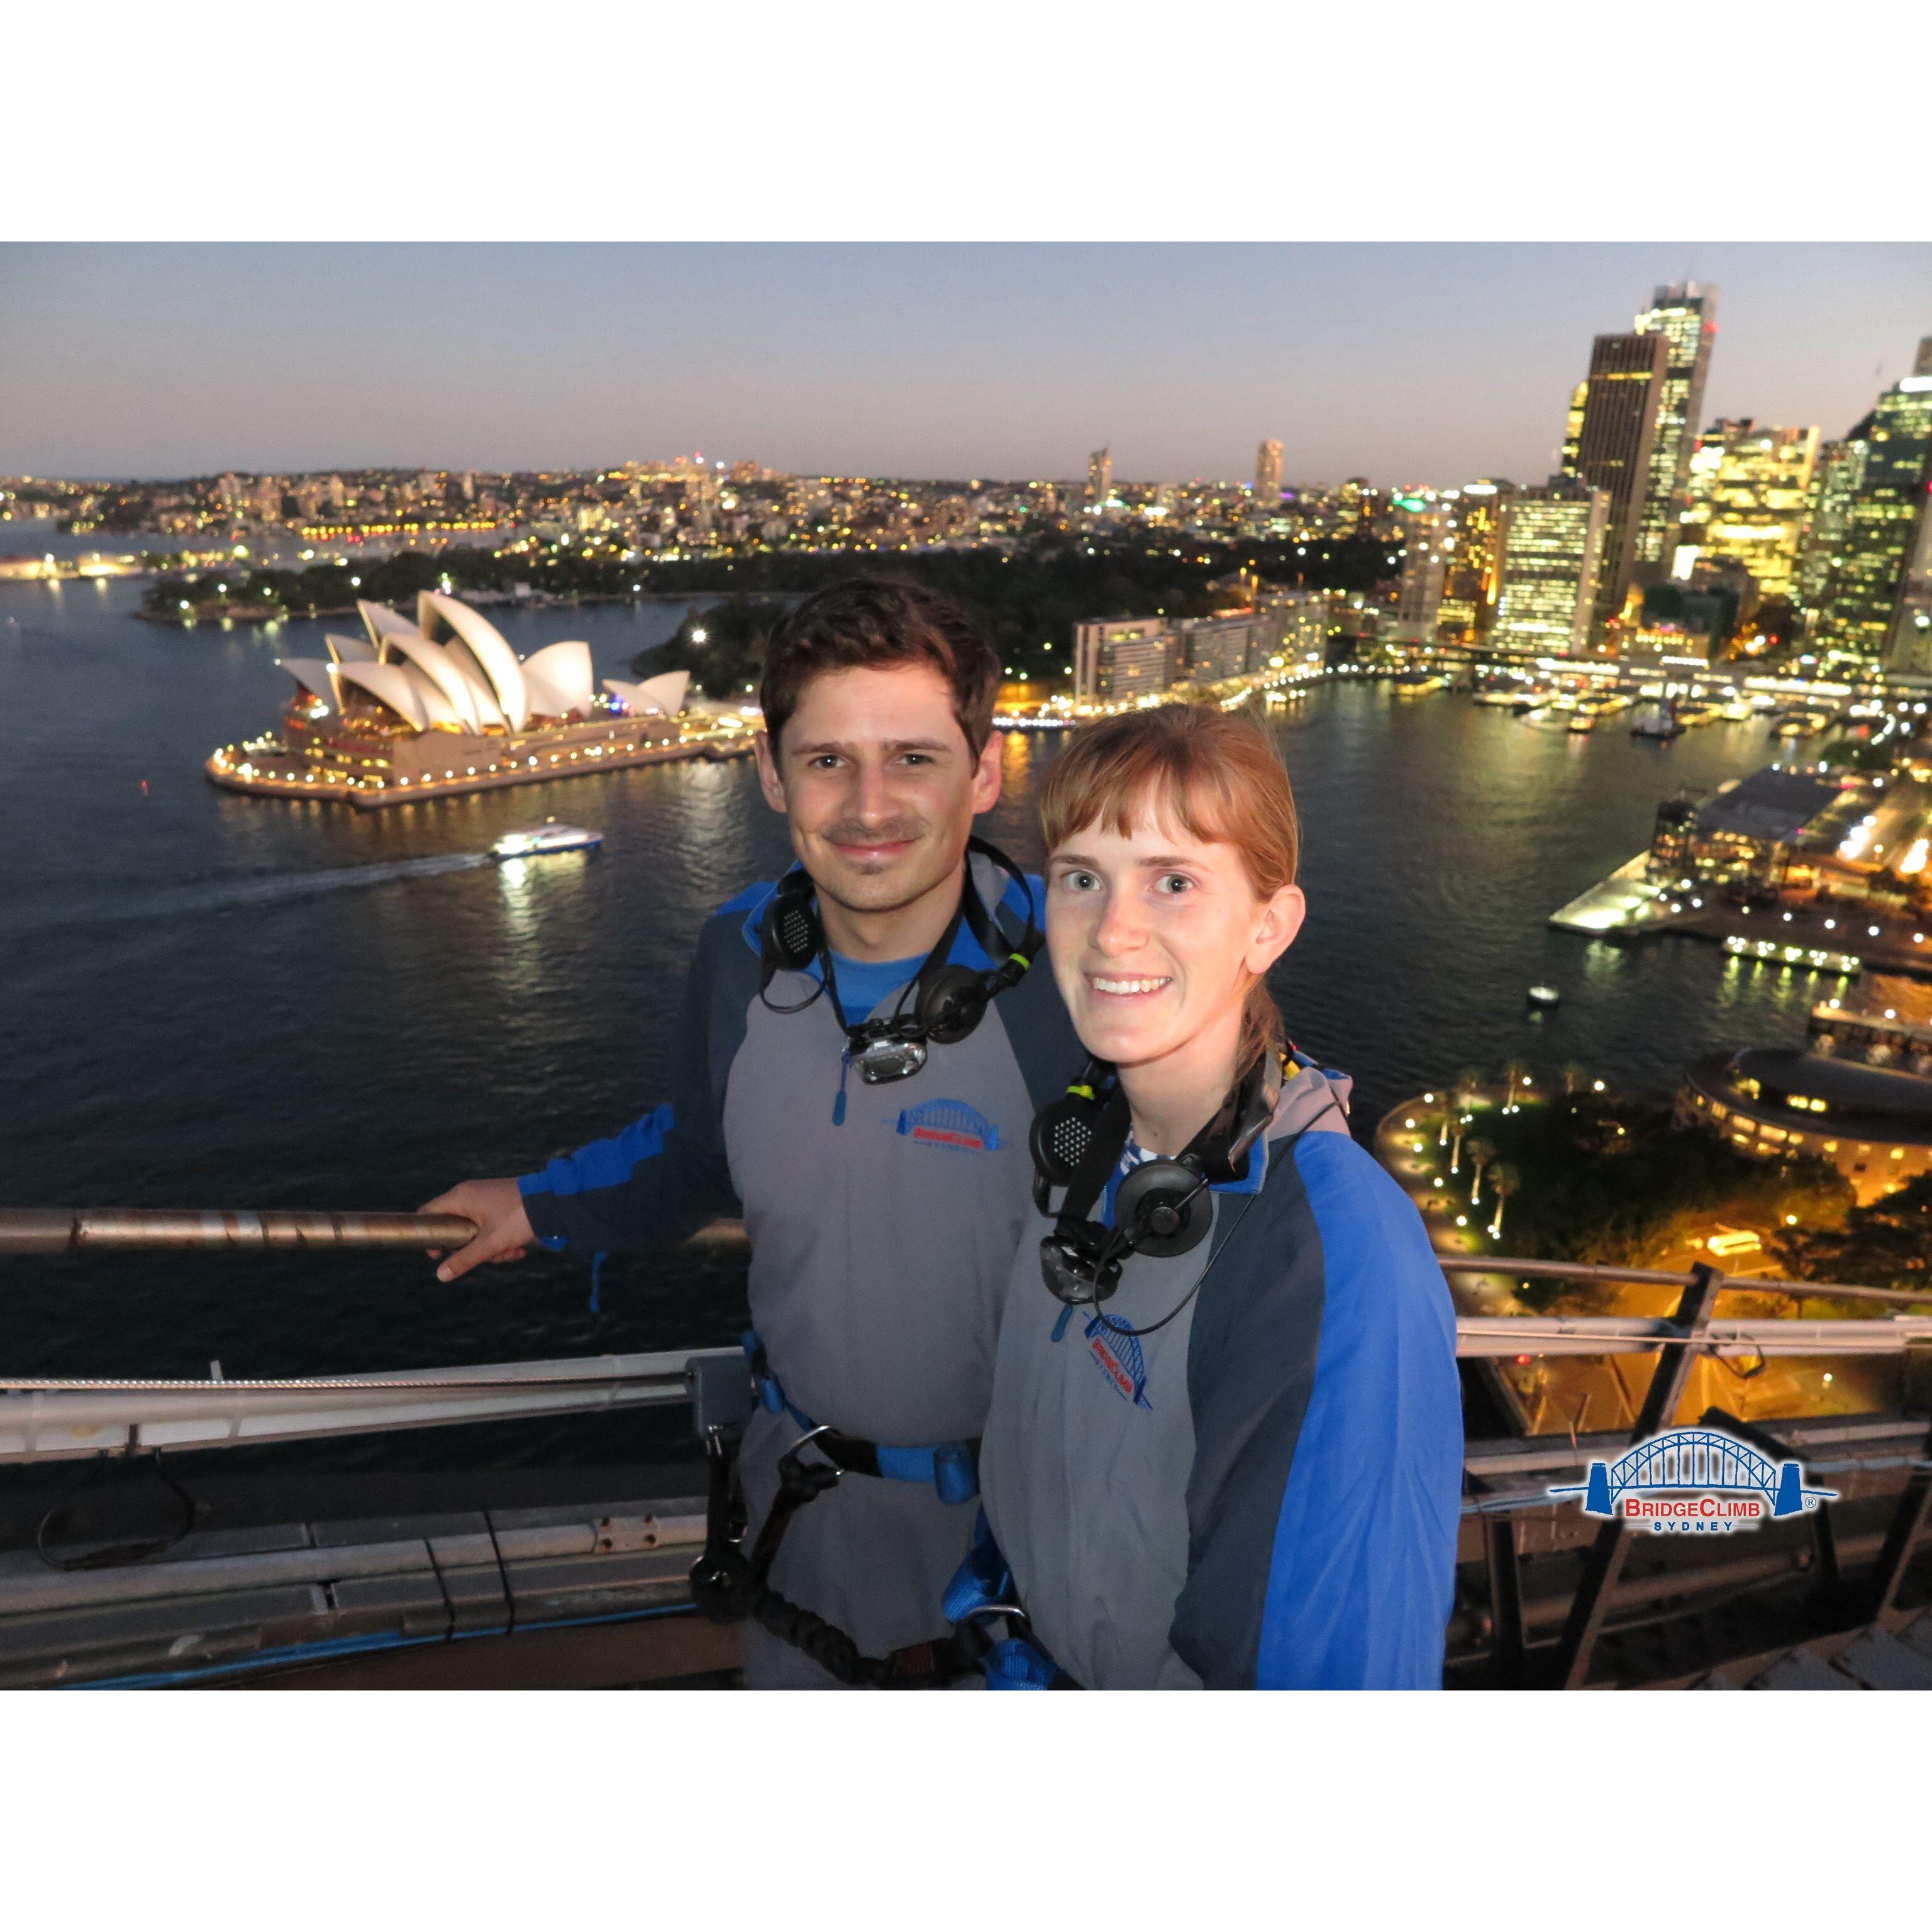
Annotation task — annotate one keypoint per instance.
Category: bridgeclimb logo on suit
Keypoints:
(950, 1126)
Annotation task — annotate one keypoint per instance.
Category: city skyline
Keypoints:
(1416, 364)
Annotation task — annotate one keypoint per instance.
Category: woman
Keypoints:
(1226, 1444)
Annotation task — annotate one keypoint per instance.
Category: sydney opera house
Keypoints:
(443, 704)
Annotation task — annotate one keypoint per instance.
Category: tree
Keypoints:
(1576, 1076)
(1481, 1153)
(1464, 1092)
(1515, 1075)
(1503, 1183)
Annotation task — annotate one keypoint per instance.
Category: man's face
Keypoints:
(880, 783)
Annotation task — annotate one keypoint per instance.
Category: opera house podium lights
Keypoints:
(442, 704)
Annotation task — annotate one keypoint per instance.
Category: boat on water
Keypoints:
(1581, 720)
(1542, 996)
(547, 837)
(1659, 721)
(1416, 683)
(1512, 697)
(1698, 713)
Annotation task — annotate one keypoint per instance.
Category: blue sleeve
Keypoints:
(1327, 1489)
(665, 1175)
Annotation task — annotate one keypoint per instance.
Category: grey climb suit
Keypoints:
(1264, 1492)
(880, 1246)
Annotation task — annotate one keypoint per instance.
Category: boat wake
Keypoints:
(223, 894)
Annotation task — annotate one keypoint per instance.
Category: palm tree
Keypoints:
(1515, 1075)
(1574, 1076)
(1503, 1183)
(1481, 1154)
(1464, 1091)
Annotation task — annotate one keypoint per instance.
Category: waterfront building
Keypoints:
(1426, 553)
(1614, 447)
(1214, 648)
(1872, 1122)
(1472, 555)
(1749, 835)
(1120, 658)
(1552, 554)
(1869, 590)
(1686, 317)
(1749, 487)
(1298, 623)
(1099, 478)
(1267, 475)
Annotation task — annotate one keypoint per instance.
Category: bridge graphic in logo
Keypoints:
(950, 1124)
(1697, 1480)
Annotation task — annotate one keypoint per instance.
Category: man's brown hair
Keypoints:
(879, 621)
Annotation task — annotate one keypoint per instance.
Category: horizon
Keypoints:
(916, 361)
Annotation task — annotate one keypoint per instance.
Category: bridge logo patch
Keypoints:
(1120, 1360)
(950, 1126)
(1695, 1482)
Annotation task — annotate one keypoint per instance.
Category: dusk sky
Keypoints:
(1423, 363)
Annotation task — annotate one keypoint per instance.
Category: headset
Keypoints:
(948, 1001)
(1162, 1207)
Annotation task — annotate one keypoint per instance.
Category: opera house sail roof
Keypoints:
(441, 702)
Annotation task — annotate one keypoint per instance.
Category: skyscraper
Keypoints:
(1552, 556)
(1613, 450)
(1473, 547)
(1750, 486)
(1573, 429)
(1267, 475)
(1686, 316)
(1867, 595)
(1835, 478)
(1099, 478)
(1426, 554)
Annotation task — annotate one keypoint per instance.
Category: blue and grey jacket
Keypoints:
(881, 1245)
(1265, 1493)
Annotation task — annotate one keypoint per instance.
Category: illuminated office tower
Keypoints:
(1133, 657)
(1267, 475)
(1099, 478)
(1472, 548)
(1552, 558)
(1425, 559)
(1573, 429)
(1748, 488)
(1613, 449)
(1870, 590)
(1835, 478)
(1686, 316)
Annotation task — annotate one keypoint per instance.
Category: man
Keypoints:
(877, 1152)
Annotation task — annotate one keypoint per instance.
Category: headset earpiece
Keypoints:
(790, 939)
(1163, 1208)
(1064, 1131)
(951, 1000)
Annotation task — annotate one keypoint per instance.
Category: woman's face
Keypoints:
(1156, 937)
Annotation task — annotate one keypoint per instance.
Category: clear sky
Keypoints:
(1425, 363)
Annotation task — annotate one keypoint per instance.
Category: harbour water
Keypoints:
(210, 1000)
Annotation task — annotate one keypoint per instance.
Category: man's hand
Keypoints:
(503, 1230)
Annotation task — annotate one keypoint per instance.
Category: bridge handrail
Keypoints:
(1596, 1271)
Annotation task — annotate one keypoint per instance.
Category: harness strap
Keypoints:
(983, 1588)
(728, 1586)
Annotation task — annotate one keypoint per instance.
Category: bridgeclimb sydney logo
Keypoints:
(950, 1125)
(1695, 1482)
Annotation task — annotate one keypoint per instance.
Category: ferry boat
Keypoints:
(1417, 683)
(1660, 721)
(548, 837)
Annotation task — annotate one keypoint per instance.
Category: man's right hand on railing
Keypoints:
(503, 1230)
